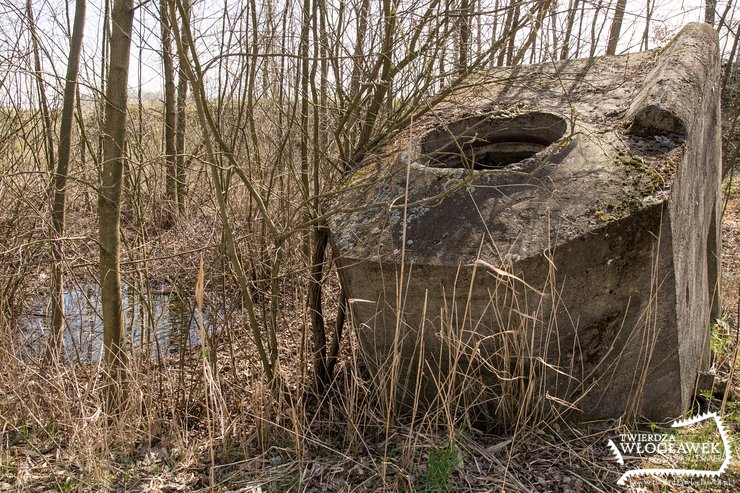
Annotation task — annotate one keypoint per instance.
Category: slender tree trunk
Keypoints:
(382, 88)
(729, 7)
(730, 64)
(355, 79)
(170, 148)
(60, 182)
(579, 38)
(532, 34)
(43, 103)
(104, 56)
(333, 355)
(553, 29)
(315, 256)
(616, 30)
(465, 23)
(475, 11)
(109, 201)
(320, 236)
(596, 33)
(572, 11)
(494, 31)
(319, 233)
(710, 8)
(512, 33)
(182, 96)
(507, 27)
(644, 44)
(304, 102)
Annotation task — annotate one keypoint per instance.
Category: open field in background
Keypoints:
(200, 410)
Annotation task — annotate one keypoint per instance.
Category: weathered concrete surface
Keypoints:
(564, 215)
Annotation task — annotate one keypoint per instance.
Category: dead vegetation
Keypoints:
(291, 114)
(56, 436)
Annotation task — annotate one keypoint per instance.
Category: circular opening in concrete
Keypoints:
(491, 142)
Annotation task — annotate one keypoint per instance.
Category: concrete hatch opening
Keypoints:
(490, 141)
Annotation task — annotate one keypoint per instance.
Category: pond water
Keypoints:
(160, 321)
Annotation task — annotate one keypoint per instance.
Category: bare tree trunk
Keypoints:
(579, 38)
(354, 85)
(320, 237)
(315, 243)
(644, 44)
(104, 56)
(532, 34)
(512, 32)
(381, 90)
(333, 355)
(43, 103)
(723, 17)
(596, 34)
(475, 12)
(304, 103)
(182, 96)
(60, 183)
(507, 27)
(465, 22)
(109, 201)
(319, 233)
(169, 112)
(494, 29)
(572, 11)
(553, 31)
(709, 11)
(730, 64)
(616, 30)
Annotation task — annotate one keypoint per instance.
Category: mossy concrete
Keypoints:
(600, 248)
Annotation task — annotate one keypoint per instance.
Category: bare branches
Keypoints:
(60, 182)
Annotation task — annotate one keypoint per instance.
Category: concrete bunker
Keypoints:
(550, 231)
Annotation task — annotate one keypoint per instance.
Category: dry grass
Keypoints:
(208, 413)
(55, 436)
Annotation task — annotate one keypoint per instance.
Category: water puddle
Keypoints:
(161, 321)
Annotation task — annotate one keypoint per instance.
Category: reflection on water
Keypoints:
(160, 321)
